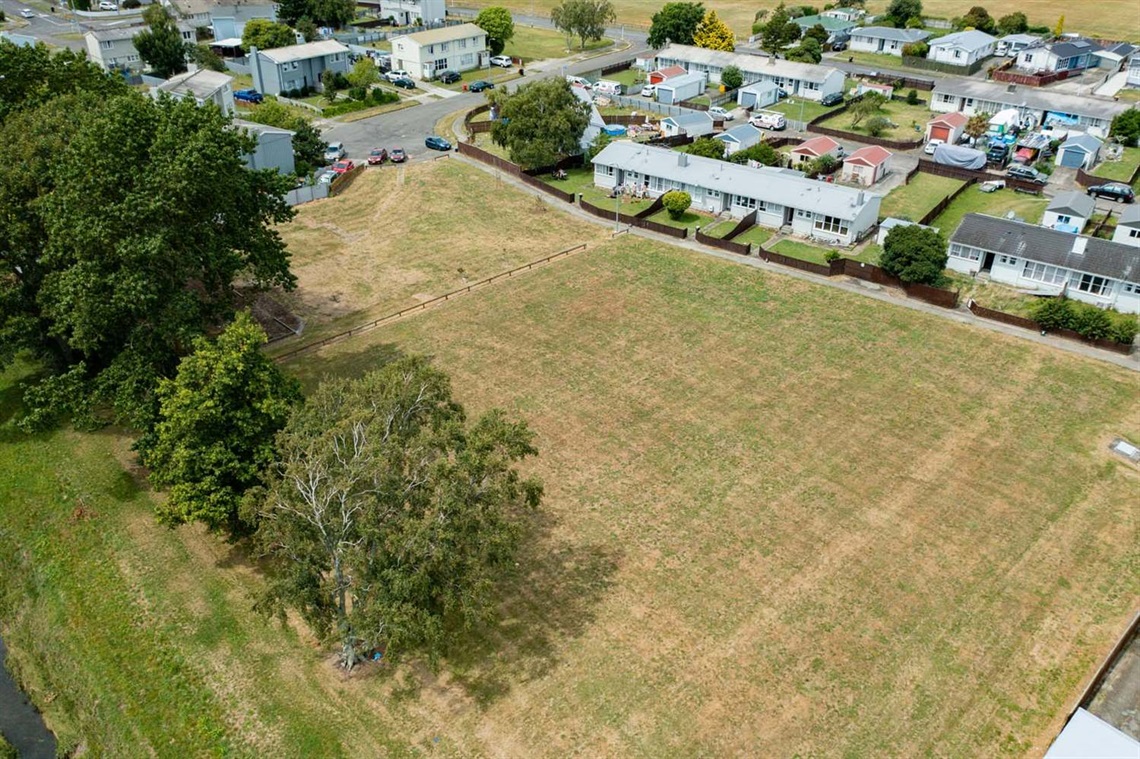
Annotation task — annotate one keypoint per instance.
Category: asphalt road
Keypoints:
(59, 29)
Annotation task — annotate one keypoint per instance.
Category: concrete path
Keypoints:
(1112, 85)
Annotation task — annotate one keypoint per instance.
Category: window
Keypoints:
(1134, 233)
(656, 184)
(762, 207)
(603, 170)
(1064, 219)
(802, 214)
(965, 252)
(957, 53)
(969, 103)
(467, 59)
(1050, 275)
(106, 44)
(1008, 260)
(831, 224)
(709, 192)
(743, 202)
(439, 64)
(443, 47)
(462, 44)
(1093, 285)
(1029, 57)
(1130, 288)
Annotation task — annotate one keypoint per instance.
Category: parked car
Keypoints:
(28, 13)
(334, 152)
(501, 60)
(719, 113)
(107, 5)
(395, 74)
(932, 146)
(449, 76)
(831, 98)
(997, 155)
(479, 85)
(649, 91)
(343, 167)
(437, 143)
(577, 81)
(768, 120)
(1026, 172)
(377, 156)
(781, 93)
(248, 96)
(326, 176)
(397, 155)
(838, 46)
(404, 82)
(1120, 192)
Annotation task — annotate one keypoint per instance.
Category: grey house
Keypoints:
(114, 49)
(274, 147)
(885, 39)
(291, 68)
(229, 19)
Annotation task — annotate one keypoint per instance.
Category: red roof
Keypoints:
(671, 71)
(817, 146)
(953, 120)
(872, 155)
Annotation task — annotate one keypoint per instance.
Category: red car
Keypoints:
(377, 156)
(398, 155)
(343, 167)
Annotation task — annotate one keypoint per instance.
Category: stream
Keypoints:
(20, 721)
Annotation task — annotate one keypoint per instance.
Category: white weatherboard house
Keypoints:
(291, 68)
(805, 80)
(408, 11)
(693, 123)
(455, 48)
(1069, 212)
(962, 48)
(1037, 104)
(114, 49)
(838, 215)
(739, 138)
(884, 39)
(202, 86)
(1128, 226)
(1063, 55)
(1028, 256)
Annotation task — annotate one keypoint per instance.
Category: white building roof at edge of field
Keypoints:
(766, 184)
(808, 72)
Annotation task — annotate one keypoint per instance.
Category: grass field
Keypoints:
(912, 201)
(999, 203)
(901, 115)
(534, 44)
(780, 519)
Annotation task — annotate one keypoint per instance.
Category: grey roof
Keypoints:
(257, 129)
(1085, 142)
(970, 40)
(445, 34)
(694, 118)
(303, 52)
(759, 88)
(1038, 98)
(749, 64)
(1121, 49)
(1089, 737)
(200, 84)
(1049, 246)
(1076, 203)
(890, 33)
(126, 32)
(684, 80)
(765, 184)
(1072, 48)
(1027, 39)
(1130, 216)
(741, 133)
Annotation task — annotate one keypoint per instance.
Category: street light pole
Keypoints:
(617, 211)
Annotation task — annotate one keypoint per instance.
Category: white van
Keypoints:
(768, 120)
(607, 87)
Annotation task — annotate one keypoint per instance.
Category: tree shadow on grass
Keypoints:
(550, 598)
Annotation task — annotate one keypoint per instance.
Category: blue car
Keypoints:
(248, 96)
(437, 143)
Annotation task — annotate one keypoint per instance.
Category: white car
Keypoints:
(932, 146)
(392, 76)
(719, 113)
(107, 5)
(335, 151)
(577, 81)
(502, 60)
(649, 91)
(28, 13)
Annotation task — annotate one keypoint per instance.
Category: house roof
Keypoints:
(872, 155)
(1119, 51)
(1072, 48)
(303, 52)
(816, 146)
(1049, 246)
(127, 32)
(876, 87)
(970, 40)
(258, 129)
(1086, 143)
(1025, 39)
(759, 88)
(1089, 737)
(701, 118)
(445, 34)
(1130, 216)
(827, 22)
(742, 133)
(199, 84)
(1037, 98)
(775, 186)
(671, 71)
(952, 120)
(685, 80)
(1076, 203)
(890, 33)
(749, 64)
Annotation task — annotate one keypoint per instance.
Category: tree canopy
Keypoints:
(675, 22)
(335, 13)
(34, 75)
(1014, 23)
(706, 147)
(540, 122)
(216, 422)
(978, 18)
(308, 145)
(387, 516)
(779, 30)
(901, 11)
(266, 35)
(1126, 127)
(160, 45)
(808, 51)
(762, 152)
(978, 124)
(731, 77)
(914, 254)
(584, 19)
(497, 22)
(714, 34)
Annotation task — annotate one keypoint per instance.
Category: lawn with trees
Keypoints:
(540, 122)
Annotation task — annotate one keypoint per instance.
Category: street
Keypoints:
(59, 29)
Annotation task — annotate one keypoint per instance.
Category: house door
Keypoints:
(988, 262)
(787, 216)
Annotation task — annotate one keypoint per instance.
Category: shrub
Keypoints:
(1124, 328)
(912, 97)
(340, 81)
(876, 125)
(731, 77)
(706, 147)
(1091, 322)
(676, 203)
(1053, 313)
(3, 18)
(832, 255)
(131, 4)
(357, 93)
(381, 96)
(1126, 127)
(825, 164)
(916, 49)
(914, 254)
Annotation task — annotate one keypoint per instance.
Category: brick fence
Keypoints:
(1021, 321)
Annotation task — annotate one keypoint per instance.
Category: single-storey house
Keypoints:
(816, 147)
(411, 12)
(679, 88)
(1028, 256)
(1128, 226)
(885, 39)
(866, 165)
(1073, 54)
(1069, 212)
(290, 68)
(839, 215)
(1079, 151)
(202, 86)
(449, 48)
(692, 123)
(758, 95)
(660, 75)
(739, 138)
(274, 147)
(833, 26)
(885, 90)
(948, 128)
(854, 15)
(889, 223)
(962, 48)
(1113, 56)
(806, 80)
(1011, 45)
(1038, 105)
(596, 124)
(114, 49)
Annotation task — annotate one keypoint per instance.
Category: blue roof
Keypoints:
(1084, 142)
(741, 133)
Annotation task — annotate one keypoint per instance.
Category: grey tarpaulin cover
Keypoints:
(964, 158)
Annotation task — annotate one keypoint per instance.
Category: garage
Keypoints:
(948, 128)
(1079, 151)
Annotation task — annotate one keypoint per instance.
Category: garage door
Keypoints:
(940, 133)
(1072, 158)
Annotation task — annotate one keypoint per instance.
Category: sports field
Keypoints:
(780, 520)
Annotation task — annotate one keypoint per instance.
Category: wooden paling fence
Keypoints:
(739, 248)
(633, 221)
(1021, 321)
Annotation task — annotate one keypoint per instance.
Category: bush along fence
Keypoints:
(1021, 321)
(635, 221)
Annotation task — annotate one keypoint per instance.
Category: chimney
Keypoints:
(1079, 244)
(682, 159)
(861, 199)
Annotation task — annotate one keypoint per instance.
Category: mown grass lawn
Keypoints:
(903, 117)
(914, 200)
(1120, 171)
(533, 44)
(999, 203)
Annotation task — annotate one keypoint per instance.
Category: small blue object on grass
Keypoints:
(377, 656)
(615, 130)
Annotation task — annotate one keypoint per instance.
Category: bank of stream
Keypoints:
(21, 723)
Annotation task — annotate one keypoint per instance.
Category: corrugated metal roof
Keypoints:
(693, 118)
(1038, 98)
(1049, 246)
(1129, 216)
(808, 72)
(200, 84)
(742, 133)
(303, 52)
(674, 82)
(971, 40)
(444, 34)
(766, 184)
(816, 146)
(890, 33)
(1073, 202)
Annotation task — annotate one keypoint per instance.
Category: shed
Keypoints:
(809, 150)
(669, 72)
(1069, 212)
(885, 90)
(758, 95)
(1128, 226)
(693, 124)
(947, 127)
(680, 88)
(739, 138)
(1079, 151)
(866, 165)
(889, 223)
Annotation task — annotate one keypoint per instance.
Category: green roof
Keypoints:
(828, 23)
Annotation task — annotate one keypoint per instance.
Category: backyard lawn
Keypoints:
(1027, 207)
(903, 117)
(798, 109)
(1120, 171)
(802, 250)
(912, 201)
(755, 236)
